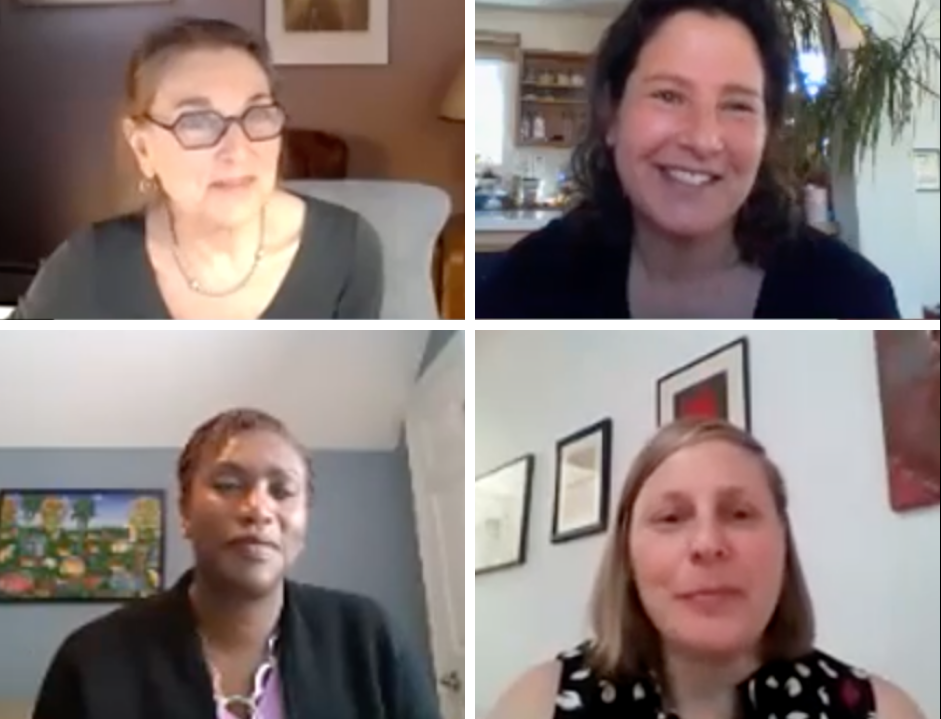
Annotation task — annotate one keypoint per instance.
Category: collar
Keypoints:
(300, 669)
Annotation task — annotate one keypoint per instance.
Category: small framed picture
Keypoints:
(582, 483)
(501, 515)
(927, 166)
(714, 385)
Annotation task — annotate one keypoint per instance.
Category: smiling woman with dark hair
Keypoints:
(234, 639)
(681, 214)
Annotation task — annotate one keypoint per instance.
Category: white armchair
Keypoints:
(409, 218)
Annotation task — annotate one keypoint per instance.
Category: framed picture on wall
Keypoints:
(81, 545)
(501, 515)
(328, 32)
(714, 385)
(582, 483)
(907, 362)
(927, 167)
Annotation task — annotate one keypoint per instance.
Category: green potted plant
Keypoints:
(879, 85)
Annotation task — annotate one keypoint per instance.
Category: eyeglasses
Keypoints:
(205, 129)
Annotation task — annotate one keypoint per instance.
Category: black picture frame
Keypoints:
(595, 441)
(515, 478)
(723, 374)
(40, 565)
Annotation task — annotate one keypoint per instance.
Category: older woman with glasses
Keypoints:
(217, 238)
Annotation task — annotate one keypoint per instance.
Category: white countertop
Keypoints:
(513, 220)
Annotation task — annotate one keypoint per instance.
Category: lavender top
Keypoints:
(267, 692)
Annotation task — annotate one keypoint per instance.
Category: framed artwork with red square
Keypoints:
(715, 385)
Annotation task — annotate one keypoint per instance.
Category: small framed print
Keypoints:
(927, 166)
(582, 483)
(328, 32)
(715, 385)
(501, 515)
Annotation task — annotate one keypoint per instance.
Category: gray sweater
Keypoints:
(103, 272)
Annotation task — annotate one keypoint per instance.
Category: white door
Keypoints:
(435, 437)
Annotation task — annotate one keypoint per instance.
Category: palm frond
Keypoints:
(879, 87)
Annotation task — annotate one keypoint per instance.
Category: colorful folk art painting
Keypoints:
(81, 545)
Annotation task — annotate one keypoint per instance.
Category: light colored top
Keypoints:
(271, 702)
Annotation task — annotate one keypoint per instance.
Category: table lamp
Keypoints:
(453, 106)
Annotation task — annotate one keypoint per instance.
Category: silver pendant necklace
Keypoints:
(240, 705)
(198, 287)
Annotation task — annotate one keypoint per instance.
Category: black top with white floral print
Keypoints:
(814, 687)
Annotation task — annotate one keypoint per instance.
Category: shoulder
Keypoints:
(821, 683)
(344, 612)
(338, 227)
(887, 700)
(843, 283)
(570, 683)
(309, 597)
(892, 702)
(65, 285)
(113, 634)
(514, 287)
(834, 255)
(569, 268)
(354, 631)
(62, 281)
(345, 247)
(95, 655)
(532, 695)
(554, 247)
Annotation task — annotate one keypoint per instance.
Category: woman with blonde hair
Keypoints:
(700, 608)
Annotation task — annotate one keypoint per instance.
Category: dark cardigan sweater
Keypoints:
(338, 659)
(576, 268)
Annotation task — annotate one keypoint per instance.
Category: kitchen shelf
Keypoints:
(562, 112)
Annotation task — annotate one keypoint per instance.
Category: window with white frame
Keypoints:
(490, 109)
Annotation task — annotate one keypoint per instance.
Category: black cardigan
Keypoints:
(575, 268)
(338, 659)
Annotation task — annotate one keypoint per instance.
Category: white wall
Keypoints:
(874, 575)
(898, 228)
(150, 388)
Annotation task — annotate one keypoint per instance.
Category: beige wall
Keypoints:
(60, 82)
(15, 710)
